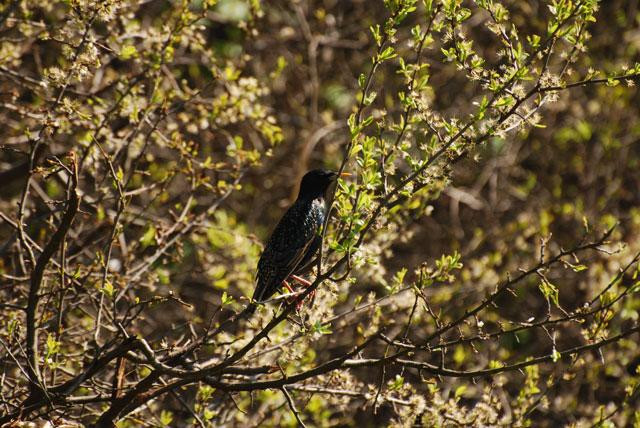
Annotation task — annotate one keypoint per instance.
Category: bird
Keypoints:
(290, 250)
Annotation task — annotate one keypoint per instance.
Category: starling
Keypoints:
(296, 239)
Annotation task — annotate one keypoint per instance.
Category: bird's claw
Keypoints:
(299, 301)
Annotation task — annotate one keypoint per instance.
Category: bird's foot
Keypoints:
(299, 304)
(305, 283)
(300, 280)
(294, 298)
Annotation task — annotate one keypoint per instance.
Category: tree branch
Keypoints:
(73, 202)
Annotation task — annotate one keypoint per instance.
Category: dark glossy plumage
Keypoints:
(295, 240)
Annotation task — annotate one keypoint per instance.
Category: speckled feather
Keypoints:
(292, 244)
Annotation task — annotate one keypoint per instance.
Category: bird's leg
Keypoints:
(292, 299)
(287, 286)
(306, 283)
(300, 280)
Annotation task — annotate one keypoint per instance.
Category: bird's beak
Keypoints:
(345, 174)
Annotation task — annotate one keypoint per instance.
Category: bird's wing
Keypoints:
(275, 266)
(308, 261)
(277, 263)
(291, 261)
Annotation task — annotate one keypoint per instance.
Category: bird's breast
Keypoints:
(318, 211)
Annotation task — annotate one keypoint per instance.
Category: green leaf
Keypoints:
(163, 275)
(108, 288)
(578, 268)
(612, 82)
(318, 327)
(149, 236)
(208, 414)
(386, 54)
(375, 31)
(351, 121)
(398, 278)
(369, 98)
(362, 80)
(166, 417)
(495, 364)
(226, 299)
(460, 391)
(397, 383)
(128, 51)
(53, 346)
(549, 291)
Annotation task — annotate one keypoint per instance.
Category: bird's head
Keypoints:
(316, 182)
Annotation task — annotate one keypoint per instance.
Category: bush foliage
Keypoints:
(480, 266)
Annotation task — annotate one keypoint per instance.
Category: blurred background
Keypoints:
(230, 108)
